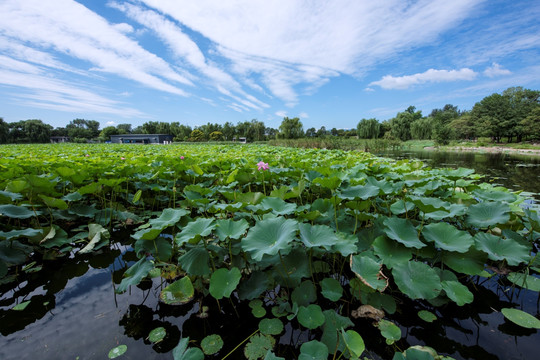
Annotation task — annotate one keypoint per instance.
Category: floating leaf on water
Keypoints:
(117, 351)
(525, 281)
(21, 306)
(304, 294)
(258, 346)
(457, 292)
(271, 356)
(178, 293)
(211, 344)
(182, 352)
(313, 350)
(427, 316)
(157, 334)
(353, 342)
(390, 331)
(257, 308)
(271, 326)
(311, 316)
(521, 318)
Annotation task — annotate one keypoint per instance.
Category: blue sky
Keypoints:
(329, 62)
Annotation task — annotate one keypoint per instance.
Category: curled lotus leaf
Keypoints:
(178, 293)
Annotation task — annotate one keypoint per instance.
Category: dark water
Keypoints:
(75, 314)
(514, 171)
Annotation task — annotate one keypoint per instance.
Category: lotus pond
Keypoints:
(255, 252)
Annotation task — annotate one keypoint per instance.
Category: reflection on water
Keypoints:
(514, 171)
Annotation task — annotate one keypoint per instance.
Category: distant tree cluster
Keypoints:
(514, 115)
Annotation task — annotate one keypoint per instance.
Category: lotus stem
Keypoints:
(237, 346)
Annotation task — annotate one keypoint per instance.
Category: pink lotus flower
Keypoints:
(122, 158)
(262, 166)
(86, 155)
(181, 157)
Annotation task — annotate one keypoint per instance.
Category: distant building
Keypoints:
(142, 139)
(242, 140)
(59, 139)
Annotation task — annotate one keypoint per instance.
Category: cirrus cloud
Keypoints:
(430, 76)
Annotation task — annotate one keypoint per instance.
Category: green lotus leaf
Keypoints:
(331, 183)
(168, 217)
(270, 236)
(17, 212)
(402, 231)
(304, 294)
(391, 252)
(254, 286)
(13, 252)
(363, 192)
(211, 344)
(83, 210)
(333, 324)
(470, 263)
(10, 195)
(271, 356)
(452, 211)
(257, 308)
(313, 350)
(231, 229)
(417, 280)
(195, 230)
(346, 244)
(354, 342)
(457, 292)
(317, 236)
(456, 174)
(390, 331)
(147, 234)
(271, 326)
(494, 195)
(182, 352)
(525, 281)
(14, 234)
(521, 318)
(74, 196)
(331, 289)
(21, 306)
(498, 248)
(91, 188)
(53, 202)
(135, 274)
(401, 207)
(447, 237)
(3, 269)
(99, 237)
(157, 334)
(223, 282)
(277, 206)
(178, 293)
(488, 214)
(195, 262)
(427, 316)
(54, 237)
(117, 351)
(297, 265)
(258, 346)
(311, 316)
(369, 271)
(428, 204)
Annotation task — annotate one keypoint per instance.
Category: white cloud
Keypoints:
(281, 113)
(429, 76)
(496, 70)
(303, 115)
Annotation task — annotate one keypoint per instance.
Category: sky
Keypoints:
(329, 62)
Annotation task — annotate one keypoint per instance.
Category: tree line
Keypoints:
(513, 115)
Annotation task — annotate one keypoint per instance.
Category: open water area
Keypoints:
(74, 312)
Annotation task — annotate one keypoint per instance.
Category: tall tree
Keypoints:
(368, 129)
(493, 116)
(4, 131)
(401, 124)
(291, 128)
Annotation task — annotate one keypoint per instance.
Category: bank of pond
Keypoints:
(260, 252)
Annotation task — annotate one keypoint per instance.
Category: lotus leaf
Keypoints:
(271, 356)
(21, 306)
(53, 202)
(277, 206)
(447, 237)
(402, 231)
(271, 326)
(231, 229)
(195, 230)
(363, 192)
(470, 263)
(14, 234)
(391, 252)
(401, 207)
(488, 214)
(427, 316)
(135, 274)
(417, 280)
(147, 234)
(317, 236)
(223, 282)
(13, 252)
(256, 308)
(258, 346)
(389, 331)
(498, 248)
(99, 237)
(169, 217)
(182, 352)
(117, 351)
(491, 195)
(333, 324)
(270, 236)
(353, 342)
(311, 316)
(313, 350)
(369, 272)
(428, 204)
(211, 344)
(331, 289)
(157, 334)
(521, 318)
(17, 212)
(346, 244)
(195, 261)
(457, 292)
(525, 281)
(55, 237)
(304, 294)
(178, 293)
(254, 286)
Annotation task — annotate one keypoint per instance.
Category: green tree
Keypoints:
(311, 132)
(216, 136)
(30, 131)
(421, 129)
(531, 124)
(368, 129)
(400, 126)
(106, 133)
(197, 135)
(124, 129)
(522, 102)
(322, 132)
(180, 132)
(493, 116)
(442, 131)
(228, 131)
(464, 127)
(4, 131)
(291, 128)
(83, 129)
